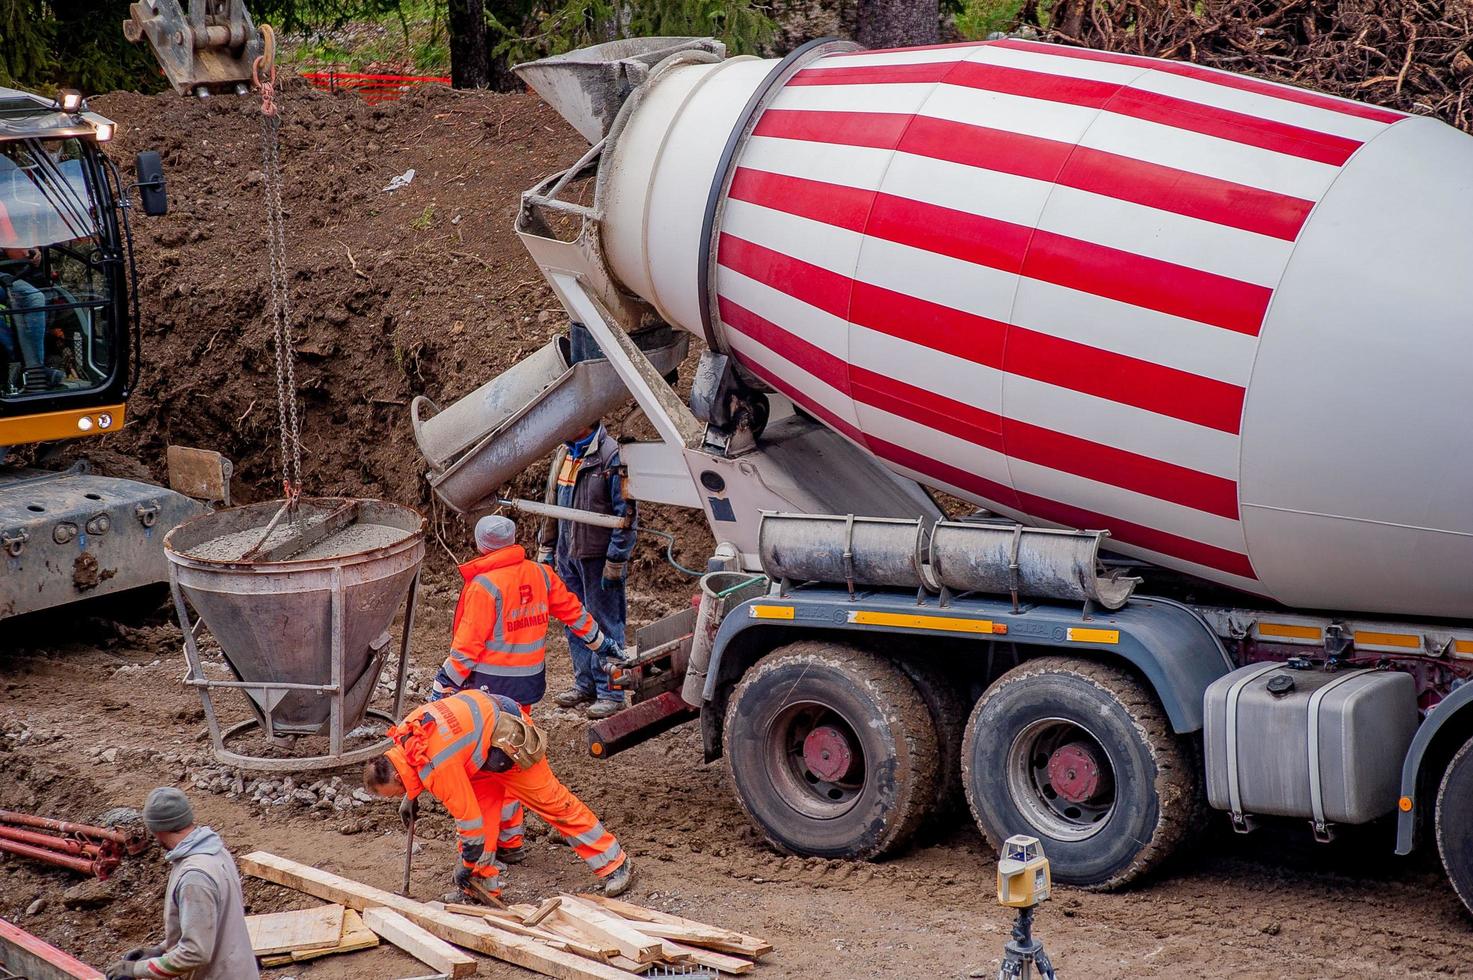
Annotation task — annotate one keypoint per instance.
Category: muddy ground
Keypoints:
(425, 290)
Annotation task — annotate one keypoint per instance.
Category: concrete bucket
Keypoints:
(301, 609)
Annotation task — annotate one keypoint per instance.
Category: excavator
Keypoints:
(70, 324)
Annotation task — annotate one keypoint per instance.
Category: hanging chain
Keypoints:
(286, 378)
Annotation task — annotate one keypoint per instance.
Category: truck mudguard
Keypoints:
(1165, 640)
(1445, 711)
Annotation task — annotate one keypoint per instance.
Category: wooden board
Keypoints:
(721, 962)
(299, 930)
(608, 928)
(355, 936)
(430, 950)
(26, 955)
(576, 945)
(478, 934)
(732, 942)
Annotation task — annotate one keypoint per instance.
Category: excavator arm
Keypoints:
(205, 46)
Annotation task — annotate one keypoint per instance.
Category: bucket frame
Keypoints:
(335, 690)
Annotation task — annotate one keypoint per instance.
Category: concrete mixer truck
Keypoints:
(1082, 432)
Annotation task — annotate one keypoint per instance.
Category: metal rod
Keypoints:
(565, 513)
(409, 608)
(261, 685)
(339, 641)
(63, 845)
(408, 857)
(192, 657)
(64, 827)
(96, 868)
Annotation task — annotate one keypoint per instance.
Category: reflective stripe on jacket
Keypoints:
(440, 747)
(500, 631)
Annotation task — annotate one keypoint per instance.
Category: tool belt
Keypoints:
(519, 738)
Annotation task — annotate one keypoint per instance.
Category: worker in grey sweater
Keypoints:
(205, 935)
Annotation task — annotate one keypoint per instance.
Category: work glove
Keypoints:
(545, 556)
(462, 877)
(611, 652)
(615, 572)
(125, 969)
(471, 853)
(408, 810)
(143, 953)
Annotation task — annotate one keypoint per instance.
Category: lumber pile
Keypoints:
(352, 936)
(570, 937)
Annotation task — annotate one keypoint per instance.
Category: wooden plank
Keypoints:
(543, 911)
(576, 945)
(684, 934)
(610, 928)
(717, 961)
(301, 929)
(30, 956)
(430, 950)
(740, 943)
(477, 934)
(355, 936)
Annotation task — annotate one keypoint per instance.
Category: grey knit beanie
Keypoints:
(494, 531)
(167, 810)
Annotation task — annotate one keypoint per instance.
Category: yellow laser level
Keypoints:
(1023, 878)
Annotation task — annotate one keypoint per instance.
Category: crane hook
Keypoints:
(263, 71)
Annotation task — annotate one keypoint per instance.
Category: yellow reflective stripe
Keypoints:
(772, 612)
(948, 624)
(1407, 640)
(1078, 634)
(1289, 631)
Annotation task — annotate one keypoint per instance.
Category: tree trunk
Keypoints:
(467, 28)
(898, 23)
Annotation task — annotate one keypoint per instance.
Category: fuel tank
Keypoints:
(1225, 319)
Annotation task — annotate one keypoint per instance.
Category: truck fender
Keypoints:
(1167, 642)
(1450, 717)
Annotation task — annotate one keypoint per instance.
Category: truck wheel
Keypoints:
(831, 751)
(946, 700)
(1452, 824)
(1081, 756)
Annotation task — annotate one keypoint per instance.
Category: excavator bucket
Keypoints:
(209, 48)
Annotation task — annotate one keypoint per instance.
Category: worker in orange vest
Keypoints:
(500, 636)
(473, 751)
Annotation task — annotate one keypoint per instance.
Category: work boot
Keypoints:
(617, 883)
(572, 698)
(511, 855)
(602, 709)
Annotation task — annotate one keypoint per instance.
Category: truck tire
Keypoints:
(1081, 756)
(831, 751)
(1453, 823)
(946, 700)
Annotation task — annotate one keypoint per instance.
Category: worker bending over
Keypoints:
(499, 643)
(473, 751)
(205, 935)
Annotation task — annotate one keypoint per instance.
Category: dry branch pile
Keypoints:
(1412, 55)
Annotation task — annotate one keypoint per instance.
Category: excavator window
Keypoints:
(58, 302)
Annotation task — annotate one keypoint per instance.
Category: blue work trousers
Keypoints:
(605, 601)
(23, 332)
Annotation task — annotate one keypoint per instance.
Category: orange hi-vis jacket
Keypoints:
(440, 747)
(500, 631)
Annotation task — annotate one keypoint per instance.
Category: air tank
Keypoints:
(1225, 319)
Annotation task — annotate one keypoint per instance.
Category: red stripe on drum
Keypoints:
(1166, 110)
(1112, 175)
(1029, 353)
(1226, 79)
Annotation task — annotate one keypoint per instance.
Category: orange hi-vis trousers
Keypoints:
(541, 792)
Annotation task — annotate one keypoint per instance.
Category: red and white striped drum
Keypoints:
(1225, 319)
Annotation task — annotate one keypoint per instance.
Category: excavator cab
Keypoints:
(66, 350)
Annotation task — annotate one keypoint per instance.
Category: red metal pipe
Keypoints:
(63, 845)
(132, 844)
(98, 868)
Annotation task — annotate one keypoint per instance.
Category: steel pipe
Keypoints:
(131, 843)
(62, 845)
(96, 867)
